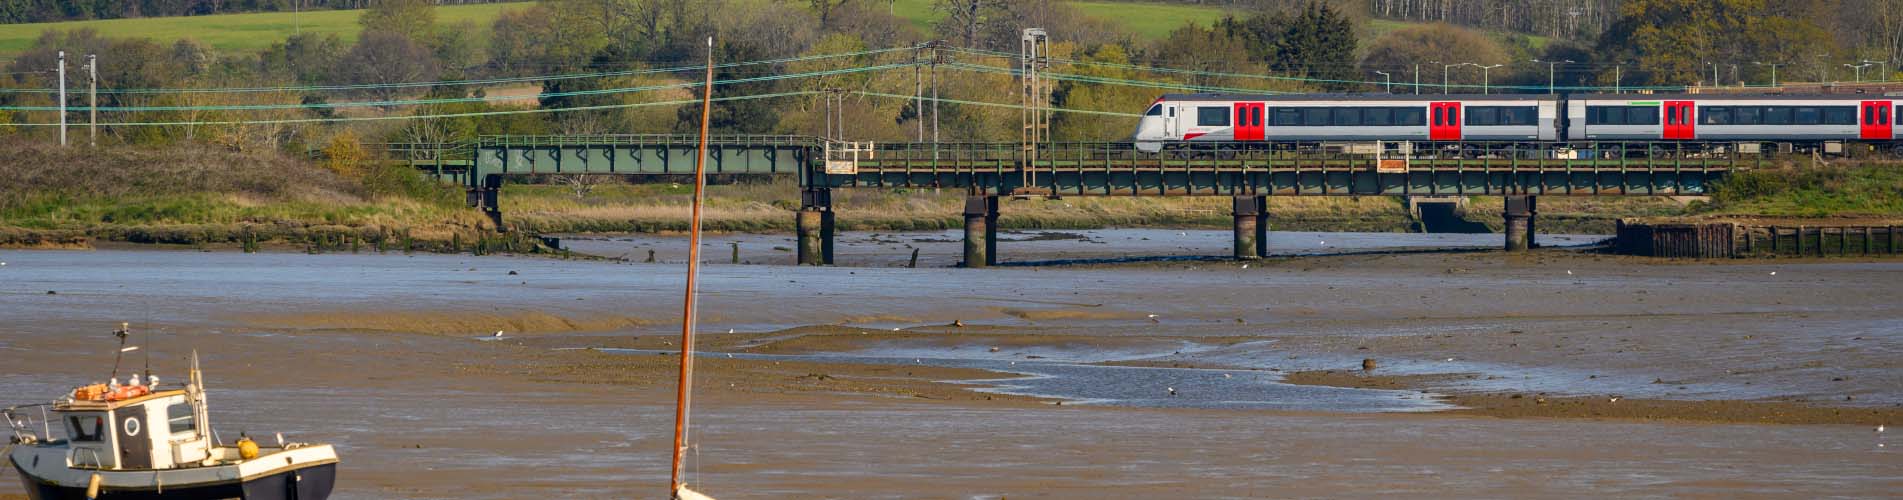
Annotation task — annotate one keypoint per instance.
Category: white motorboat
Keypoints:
(138, 440)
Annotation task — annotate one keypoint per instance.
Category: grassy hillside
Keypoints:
(239, 32)
(254, 32)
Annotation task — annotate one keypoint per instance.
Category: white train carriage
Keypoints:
(1769, 118)
(1225, 120)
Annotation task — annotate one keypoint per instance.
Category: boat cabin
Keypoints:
(156, 430)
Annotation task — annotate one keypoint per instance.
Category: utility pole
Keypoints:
(1859, 68)
(1417, 78)
(1033, 58)
(1485, 80)
(918, 90)
(1388, 80)
(92, 99)
(62, 98)
(1552, 73)
(1773, 71)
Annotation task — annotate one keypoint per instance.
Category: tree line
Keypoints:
(41, 11)
(1312, 46)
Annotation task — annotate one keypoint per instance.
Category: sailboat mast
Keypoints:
(693, 273)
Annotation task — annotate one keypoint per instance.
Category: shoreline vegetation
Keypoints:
(208, 196)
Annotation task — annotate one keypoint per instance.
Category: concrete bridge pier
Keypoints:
(1252, 227)
(981, 231)
(1520, 212)
(815, 225)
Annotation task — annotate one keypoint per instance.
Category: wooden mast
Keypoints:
(681, 399)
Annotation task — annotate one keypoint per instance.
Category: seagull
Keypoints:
(729, 330)
(1450, 360)
(1244, 266)
(1774, 273)
(280, 440)
(1225, 375)
(1152, 315)
(1613, 399)
(1569, 272)
(1879, 428)
(498, 334)
(1172, 390)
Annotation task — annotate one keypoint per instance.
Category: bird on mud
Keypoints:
(497, 335)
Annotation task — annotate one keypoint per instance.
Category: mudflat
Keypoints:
(1044, 382)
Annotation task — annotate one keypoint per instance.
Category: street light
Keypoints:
(1550, 66)
(1389, 80)
(1714, 73)
(1859, 68)
(1443, 75)
(1883, 69)
(1485, 81)
(1773, 70)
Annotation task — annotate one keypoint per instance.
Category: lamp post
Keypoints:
(1485, 80)
(1388, 80)
(1443, 75)
(1551, 73)
(1859, 68)
(1773, 71)
(1417, 78)
(1883, 69)
(1714, 73)
(1617, 69)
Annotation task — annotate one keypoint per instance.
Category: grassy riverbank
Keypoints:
(208, 196)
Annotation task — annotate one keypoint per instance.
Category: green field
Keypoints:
(239, 32)
(255, 32)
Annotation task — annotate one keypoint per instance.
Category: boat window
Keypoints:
(179, 415)
(1155, 110)
(1210, 116)
(1840, 115)
(85, 428)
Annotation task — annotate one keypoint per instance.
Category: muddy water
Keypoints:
(946, 248)
(413, 421)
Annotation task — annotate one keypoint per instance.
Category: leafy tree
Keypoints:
(382, 57)
(1317, 42)
(415, 19)
(304, 57)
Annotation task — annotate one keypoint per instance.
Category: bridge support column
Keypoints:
(815, 225)
(1252, 227)
(1520, 212)
(488, 198)
(981, 231)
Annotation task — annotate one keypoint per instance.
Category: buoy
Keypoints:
(247, 449)
(92, 487)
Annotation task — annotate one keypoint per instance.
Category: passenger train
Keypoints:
(1222, 121)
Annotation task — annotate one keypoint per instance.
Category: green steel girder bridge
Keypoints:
(1518, 171)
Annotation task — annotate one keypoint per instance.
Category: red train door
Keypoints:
(1249, 121)
(1876, 120)
(1443, 121)
(1678, 120)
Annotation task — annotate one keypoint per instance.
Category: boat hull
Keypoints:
(309, 483)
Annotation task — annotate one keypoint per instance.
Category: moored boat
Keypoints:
(137, 439)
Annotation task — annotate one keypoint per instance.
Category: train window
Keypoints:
(1605, 115)
(1840, 115)
(1155, 110)
(1483, 116)
(1777, 115)
(1747, 115)
(1806, 115)
(1210, 116)
(1883, 116)
(1347, 117)
(1286, 117)
(1377, 117)
(1716, 115)
(1315, 117)
(1520, 115)
(1256, 117)
(1413, 117)
(1671, 115)
(1641, 115)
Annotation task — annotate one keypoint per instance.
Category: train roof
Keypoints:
(1728, 97)
(1359, 97)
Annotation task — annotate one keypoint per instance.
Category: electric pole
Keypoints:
(92, 99)
(62, 98)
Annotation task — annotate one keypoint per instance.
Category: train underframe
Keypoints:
(1582, 150)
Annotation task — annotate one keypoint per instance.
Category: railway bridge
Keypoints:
(1520, 172)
